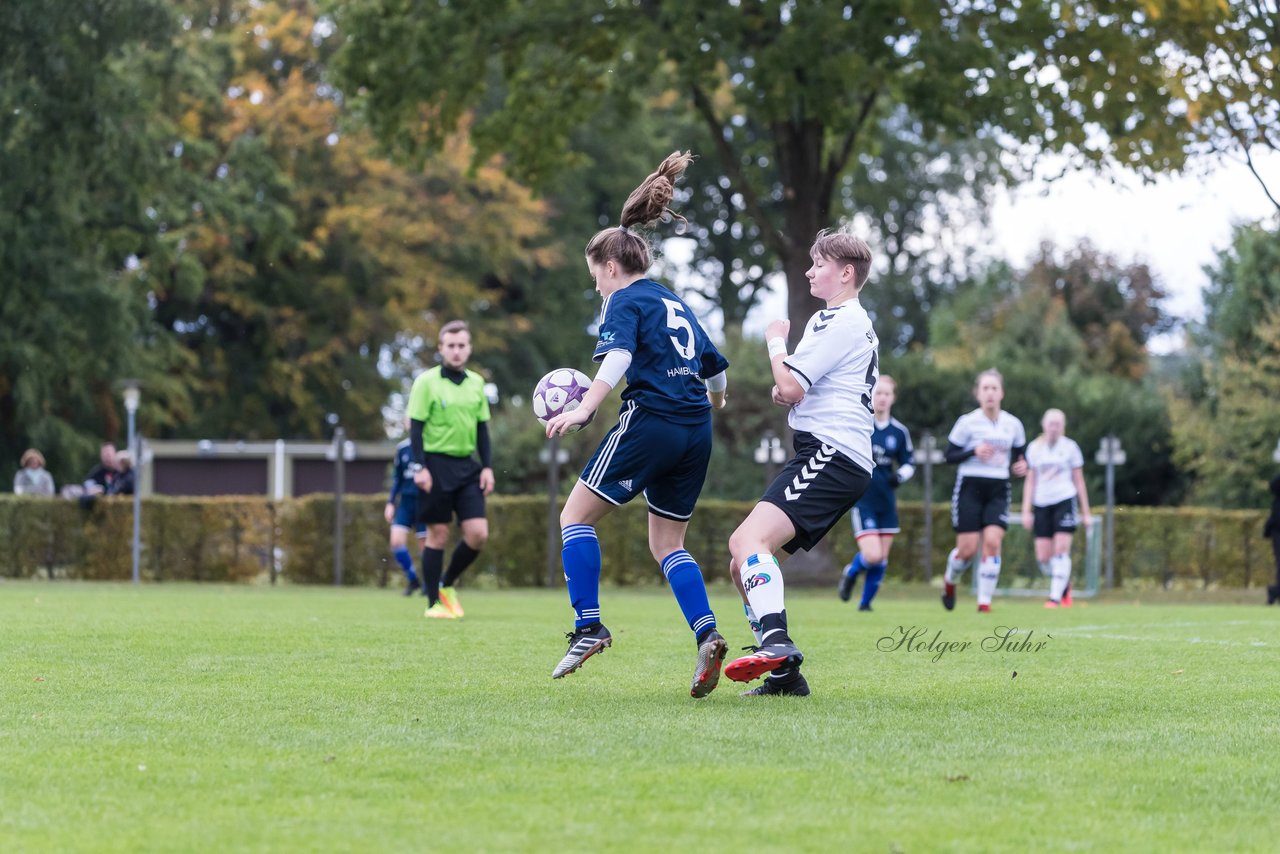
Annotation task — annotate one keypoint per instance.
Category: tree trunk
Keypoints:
(806, 209)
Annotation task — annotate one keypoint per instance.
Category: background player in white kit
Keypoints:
(1055, 487)
(827, 383)
(988, 443)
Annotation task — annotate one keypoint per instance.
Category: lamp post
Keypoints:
(132, 397)
(1110, 454)
(770, 454)
(927, 456)
(341, 452)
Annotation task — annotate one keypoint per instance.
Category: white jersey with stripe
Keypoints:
(1004, 434)
(836, 364)
(1053, 465)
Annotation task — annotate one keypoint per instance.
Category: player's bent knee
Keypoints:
(437, 536)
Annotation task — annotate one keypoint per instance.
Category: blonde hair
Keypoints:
(841, 246)
(1040, 440)
(32, 454)
(647, 204)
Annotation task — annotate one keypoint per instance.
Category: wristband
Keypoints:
(777, 347)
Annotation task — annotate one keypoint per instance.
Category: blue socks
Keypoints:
(581, 558)
(405, 560)
(875, 574)
(685, 578)
(856, 566)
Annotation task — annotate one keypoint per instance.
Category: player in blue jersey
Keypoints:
(875, 516)
(662, 441)
(401, 514)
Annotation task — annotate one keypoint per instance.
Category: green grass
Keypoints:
(232, 718)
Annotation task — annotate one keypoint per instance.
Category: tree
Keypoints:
(1040, 75)
(80, 160)
(920, 201)
(1115, 307)
(1224, 402)
(1244, 285)
(1223, 59)
(304, 273)
(1225, 442)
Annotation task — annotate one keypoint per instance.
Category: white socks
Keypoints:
(1060, 569)
(988, 575)
(955, 567)
(762, 581)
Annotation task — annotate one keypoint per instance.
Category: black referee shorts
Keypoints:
(455, 491)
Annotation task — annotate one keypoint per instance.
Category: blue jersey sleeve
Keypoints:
(712, 362)
(397, 472)
(619, 326)
(400, 471)
(906, 451)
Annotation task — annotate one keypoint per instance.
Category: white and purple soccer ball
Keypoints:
(560, 391)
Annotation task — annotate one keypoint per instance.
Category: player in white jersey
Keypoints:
(1055, 487)
(988, 443)
(827, 384)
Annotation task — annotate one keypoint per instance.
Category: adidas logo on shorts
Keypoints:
(625, 484)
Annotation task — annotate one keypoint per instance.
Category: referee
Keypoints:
(449, 424)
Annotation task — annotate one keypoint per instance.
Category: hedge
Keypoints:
(242, 539)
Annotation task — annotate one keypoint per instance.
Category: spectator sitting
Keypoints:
(32, 478)
(100, 477)
(123, 483)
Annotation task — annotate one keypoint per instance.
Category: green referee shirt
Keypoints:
(449, 411)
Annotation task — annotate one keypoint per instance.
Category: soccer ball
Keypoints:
(560, 391)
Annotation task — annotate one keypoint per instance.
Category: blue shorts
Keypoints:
(406, 513)
(646, 453)
(874, 515)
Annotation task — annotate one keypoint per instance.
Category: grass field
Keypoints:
(202, 718)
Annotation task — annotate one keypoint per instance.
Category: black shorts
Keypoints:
(979, 502)
(455, 490)
(1057, 518)
(815, 489)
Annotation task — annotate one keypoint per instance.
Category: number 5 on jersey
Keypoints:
(677, 323)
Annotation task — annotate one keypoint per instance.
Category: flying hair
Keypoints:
(647, 204)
